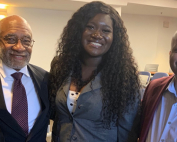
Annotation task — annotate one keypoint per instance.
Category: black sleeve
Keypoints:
(1, 136)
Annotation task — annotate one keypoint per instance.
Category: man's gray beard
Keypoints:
(9, 63)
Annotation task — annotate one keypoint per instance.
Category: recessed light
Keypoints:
(3, 6)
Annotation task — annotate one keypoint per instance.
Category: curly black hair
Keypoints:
(119, 75)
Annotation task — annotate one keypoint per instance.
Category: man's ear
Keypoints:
(170, 52)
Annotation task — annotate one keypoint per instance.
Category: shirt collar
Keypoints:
(7, 71)
(171, 87)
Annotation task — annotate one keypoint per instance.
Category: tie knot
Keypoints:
(17, 75)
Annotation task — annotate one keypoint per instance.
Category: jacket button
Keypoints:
(74, 137)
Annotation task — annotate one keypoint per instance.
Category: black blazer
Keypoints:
(9, 128)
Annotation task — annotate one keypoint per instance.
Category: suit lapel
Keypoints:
(95, 84)
(37, 79)
(66, 86)
(6, 117)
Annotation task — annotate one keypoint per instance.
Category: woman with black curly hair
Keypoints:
(94, 84)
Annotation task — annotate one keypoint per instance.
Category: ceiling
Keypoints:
(143, 7)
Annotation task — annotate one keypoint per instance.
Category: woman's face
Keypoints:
(98, 35)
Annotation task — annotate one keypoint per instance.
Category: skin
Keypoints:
(14, 56)
(96, 40)
(173, 57)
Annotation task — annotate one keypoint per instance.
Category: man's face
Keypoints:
(173, 55)
(15, 43)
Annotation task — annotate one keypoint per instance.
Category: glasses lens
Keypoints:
(26, 41)
(11, 39)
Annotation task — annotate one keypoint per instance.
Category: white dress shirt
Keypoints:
(164, 123)
(34, 107)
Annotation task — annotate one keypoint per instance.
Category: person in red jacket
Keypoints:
(159, 106)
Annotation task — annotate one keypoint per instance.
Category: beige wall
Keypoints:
(149, 39)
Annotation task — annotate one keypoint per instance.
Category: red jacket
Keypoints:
(152, 97)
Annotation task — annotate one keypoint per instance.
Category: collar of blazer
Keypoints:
(95, 84)
(39, 83)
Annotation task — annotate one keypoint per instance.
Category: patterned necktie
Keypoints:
(19, 102)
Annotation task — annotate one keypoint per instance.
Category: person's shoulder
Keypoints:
(158, 85)
(38, 69)
(162, 81)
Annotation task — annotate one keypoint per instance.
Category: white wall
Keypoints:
(149, 39)
(47, 25)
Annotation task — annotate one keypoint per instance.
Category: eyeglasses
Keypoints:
(13, 40)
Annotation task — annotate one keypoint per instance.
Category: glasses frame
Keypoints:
(13, 44)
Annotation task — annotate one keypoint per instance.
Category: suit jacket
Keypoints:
(11, 131)
(152, 97)
(85, 125)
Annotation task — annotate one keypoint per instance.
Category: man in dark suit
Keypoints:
(159, 106)
(24, 105)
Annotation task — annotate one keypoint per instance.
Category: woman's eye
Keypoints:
(106, 31)
(90, 27)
